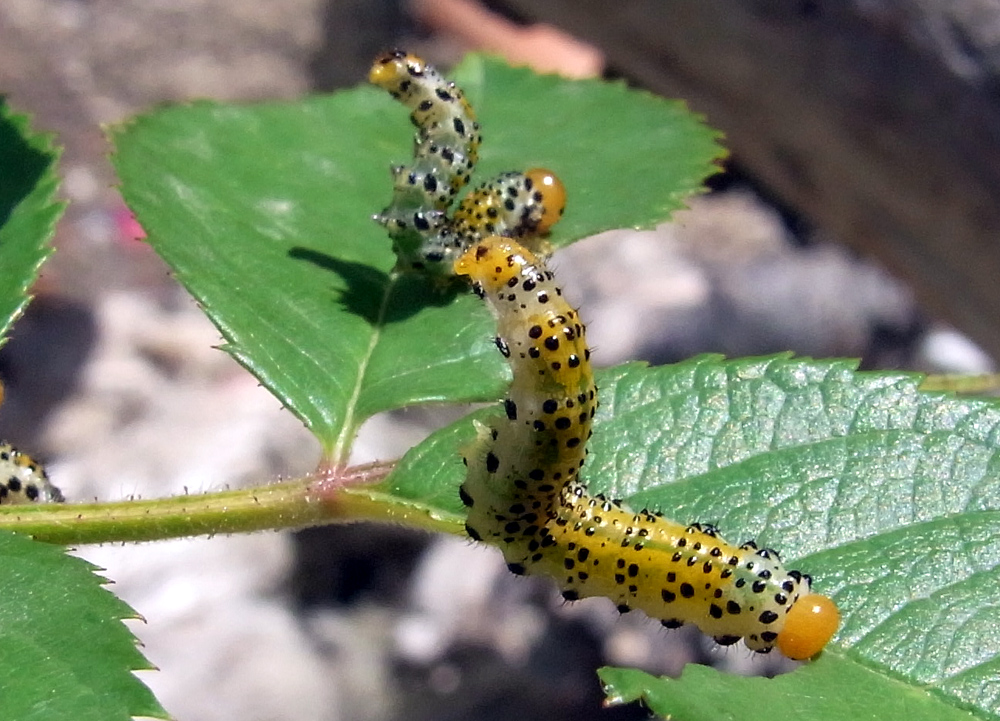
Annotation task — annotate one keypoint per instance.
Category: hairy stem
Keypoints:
(337, 496)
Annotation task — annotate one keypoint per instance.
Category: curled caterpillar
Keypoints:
(23, 480)
(513, 205)
(446, 145)
(524, 495)
(445, 150)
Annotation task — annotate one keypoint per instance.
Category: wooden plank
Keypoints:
(879, 121)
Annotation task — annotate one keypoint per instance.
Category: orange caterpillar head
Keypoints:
(809, 626)
(390, 69)
(553, 196)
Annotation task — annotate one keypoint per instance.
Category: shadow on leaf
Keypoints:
(366, 289)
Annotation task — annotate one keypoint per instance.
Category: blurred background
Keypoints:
(856, 217)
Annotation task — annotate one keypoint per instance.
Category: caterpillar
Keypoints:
(23, 480)
(514, 205)
(445, 151)
(523, 492)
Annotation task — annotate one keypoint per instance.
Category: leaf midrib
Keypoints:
(341, 449)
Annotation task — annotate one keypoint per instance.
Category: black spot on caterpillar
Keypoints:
(23, 480)
(445, 150)
(523, 492)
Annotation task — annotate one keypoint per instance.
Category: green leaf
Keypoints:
(264, 213)
(65, 652)
(28, 211)
(830, 688)
(430, 472)
(628, 158)
(889, 497)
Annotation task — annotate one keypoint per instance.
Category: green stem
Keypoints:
(345, 496)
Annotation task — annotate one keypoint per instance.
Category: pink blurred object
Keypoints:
(544, 48)
(126, 226)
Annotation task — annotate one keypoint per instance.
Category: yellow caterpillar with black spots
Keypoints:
(24, 480)
(445, 151)
(524, 495)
